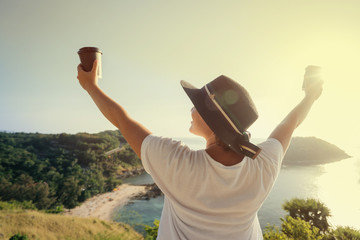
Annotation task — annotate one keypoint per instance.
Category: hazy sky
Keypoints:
(149, 46)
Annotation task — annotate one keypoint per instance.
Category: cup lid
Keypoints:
(313, 68)
(89, 49)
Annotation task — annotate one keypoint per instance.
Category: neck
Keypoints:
(227, 158)
(210, 141)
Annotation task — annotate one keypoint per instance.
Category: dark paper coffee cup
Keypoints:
(87, 56)
(312, 73)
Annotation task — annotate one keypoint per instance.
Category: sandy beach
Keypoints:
(103, 206)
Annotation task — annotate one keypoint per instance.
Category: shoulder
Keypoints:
(165, 158)
(162, 144)
(271, 144)
(161, 150)
(272, 150)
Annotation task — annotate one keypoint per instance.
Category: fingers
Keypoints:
(87, 78)
(95, 67)
(80, 68)
(314, 89)
(318, 83)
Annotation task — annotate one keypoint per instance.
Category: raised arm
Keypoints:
(133, 132)
(283, 132)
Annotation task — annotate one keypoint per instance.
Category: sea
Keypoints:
(336, 184)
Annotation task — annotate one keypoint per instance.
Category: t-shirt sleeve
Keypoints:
(145, 154)
(272, 153)
(163, 157)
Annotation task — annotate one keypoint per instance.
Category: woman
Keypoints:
(213, 193)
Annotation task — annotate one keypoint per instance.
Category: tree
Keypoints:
(25, 189)
(70, 192)
(310, 210)
(60, 169)
(41, 196)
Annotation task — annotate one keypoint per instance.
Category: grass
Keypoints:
(38, 225)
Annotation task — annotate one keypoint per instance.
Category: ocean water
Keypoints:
(336, 184)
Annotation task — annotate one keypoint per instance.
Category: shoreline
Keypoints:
(103, 206)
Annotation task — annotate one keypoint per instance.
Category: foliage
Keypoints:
(151, 232)
(310, 210)
(343, 233)
(292, 229)
(60, 169)
(55, 210)
(16, 205)
(305, 217)
(19, 237)
(274, 233)
(25, 189)
(296, 228)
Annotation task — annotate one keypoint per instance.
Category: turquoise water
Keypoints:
(335, 184)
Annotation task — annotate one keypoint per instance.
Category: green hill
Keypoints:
(60, 169)
(312, 151)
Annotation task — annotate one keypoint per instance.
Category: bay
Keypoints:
(336, 184)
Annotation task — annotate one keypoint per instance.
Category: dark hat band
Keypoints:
(249, 149)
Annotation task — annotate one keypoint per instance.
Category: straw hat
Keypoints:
(228, 110)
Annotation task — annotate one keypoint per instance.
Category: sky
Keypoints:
(149, 46)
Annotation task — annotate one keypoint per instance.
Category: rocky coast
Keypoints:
(151, 191)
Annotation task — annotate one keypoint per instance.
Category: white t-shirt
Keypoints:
(205, 199)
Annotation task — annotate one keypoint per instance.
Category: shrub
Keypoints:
(151, 232)
(343, 233)
(16, 205)
(310, 210)
(296, 228)
(291, 229)
(19, 237)
(56, 210)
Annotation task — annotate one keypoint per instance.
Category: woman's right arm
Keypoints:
(133, 132)
(283, 132)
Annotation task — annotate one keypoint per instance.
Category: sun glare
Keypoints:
(341, 197)
(335, 115)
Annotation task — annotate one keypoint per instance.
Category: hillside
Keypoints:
(61, 169)
(37, 225)
(312, 151)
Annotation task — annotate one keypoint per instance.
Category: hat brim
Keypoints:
(213, 118)
(200, 100)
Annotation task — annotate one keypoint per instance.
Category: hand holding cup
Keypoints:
(89, 70)
(313, 82)
(87, 57)
(88, 79)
